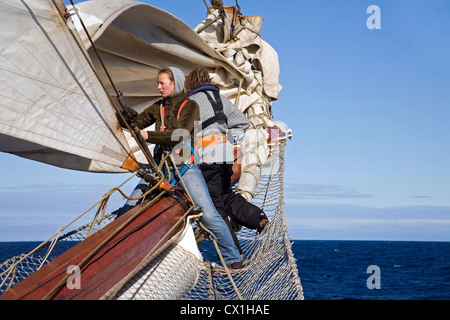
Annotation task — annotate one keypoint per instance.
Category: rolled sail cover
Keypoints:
(53, 109)
(135, 40)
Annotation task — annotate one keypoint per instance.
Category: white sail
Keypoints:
(53, 109)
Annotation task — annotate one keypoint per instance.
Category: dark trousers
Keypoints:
(229, 204)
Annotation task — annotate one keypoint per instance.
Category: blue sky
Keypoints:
(370, 111)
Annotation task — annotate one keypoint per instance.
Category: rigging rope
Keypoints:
(105, 242)
(88, 60)
(219, 253)
(147, 256)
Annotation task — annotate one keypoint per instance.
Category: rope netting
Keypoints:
(270, 271)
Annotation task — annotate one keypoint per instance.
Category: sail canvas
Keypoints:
(53, 107)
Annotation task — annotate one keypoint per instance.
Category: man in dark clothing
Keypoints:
(221, 118)
(229, 203)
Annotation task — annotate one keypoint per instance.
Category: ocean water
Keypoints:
(403, 270)
(356, 270)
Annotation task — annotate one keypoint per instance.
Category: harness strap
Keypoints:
(194, 155)
(181, 107)
(162, 112)
(212, 139)
(187, 164)
(219, 115)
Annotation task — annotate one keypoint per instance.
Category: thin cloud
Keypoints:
(354, 222)
(318, 191)
(58, 187)
(56, 198)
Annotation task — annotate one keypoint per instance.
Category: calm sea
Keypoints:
(399, 270)
(366, 270)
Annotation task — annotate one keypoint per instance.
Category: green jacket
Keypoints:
(173, 119)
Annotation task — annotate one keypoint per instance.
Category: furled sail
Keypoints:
(135, 40)
(53, 107)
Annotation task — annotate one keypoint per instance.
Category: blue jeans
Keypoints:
(211, 219)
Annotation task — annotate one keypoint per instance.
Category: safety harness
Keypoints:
(194, 155)
(219, 117)
(220, 138)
